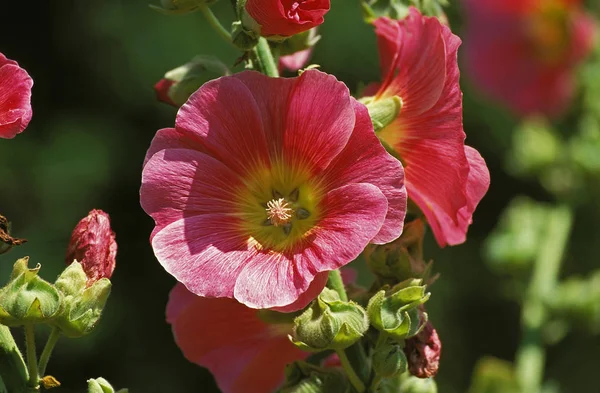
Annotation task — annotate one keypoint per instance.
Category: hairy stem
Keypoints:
(335, 282)
(34, 378)
(353, 377)
(45, 357)
(531, 354)
(13, 371)
(264, 57)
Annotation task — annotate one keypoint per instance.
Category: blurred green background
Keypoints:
(94, 64)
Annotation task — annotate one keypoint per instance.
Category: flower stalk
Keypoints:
(45, 357)
(264, 58)
(214, 22)
(34, 378)
(13, 372)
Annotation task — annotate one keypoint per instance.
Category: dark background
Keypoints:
(94, 64)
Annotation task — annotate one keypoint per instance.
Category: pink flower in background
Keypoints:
(244, 354)
(15, 98)
(295, 61)
(265, 185)
(445, 178)
(287, 17)
(523, 52)
(93, 245)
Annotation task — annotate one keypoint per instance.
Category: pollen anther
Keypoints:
(279, 212)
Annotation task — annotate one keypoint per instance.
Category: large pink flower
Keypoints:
(265, 185)
(15, 98)
(445, 178)
(244, 354)
(522, 52)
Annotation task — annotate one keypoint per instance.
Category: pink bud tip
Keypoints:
(93, 245)
(423, 352)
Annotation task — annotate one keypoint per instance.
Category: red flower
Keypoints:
(265, 185)
(445, 178)
(287, 17)
(245, 354)
(93, 245)
(523, 52)
(15, 98)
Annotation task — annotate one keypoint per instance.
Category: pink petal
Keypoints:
(320, 120)
(231, 341)
(15, 98)
(179, 183)
(445, 230)
(205, 252)
(295, 61)
(225, 116)
(356, 163)
(314, 289)
(172, 138)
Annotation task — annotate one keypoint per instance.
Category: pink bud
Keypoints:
(93, 245)
(423, 352)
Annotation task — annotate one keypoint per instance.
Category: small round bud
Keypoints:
(303, 377)
(389, 359)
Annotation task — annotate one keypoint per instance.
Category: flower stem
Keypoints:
(45, 357)
(531, 354)
(264, 57)
(34, 378)
(350, 372)
(13, 371)
(214, 22)
(335, 282)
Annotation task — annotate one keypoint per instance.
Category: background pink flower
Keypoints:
(295, 61)
(523, 52)
(265, 185)
(15, 98)
(445, 178)
(244, 354)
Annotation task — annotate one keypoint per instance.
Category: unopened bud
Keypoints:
(243, 38)
(329, 323)
(389, 360)
(395, 311)
(383, 111)
(303, 377)
(93, 245)
(418, 385)
(101, 385)
(423, 352)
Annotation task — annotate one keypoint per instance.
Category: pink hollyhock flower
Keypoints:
(445, 178)
(265, 185)
(295, 61)
(244, 354)
(15, 98)
(287, 17)
(523, 52)
(93, 245)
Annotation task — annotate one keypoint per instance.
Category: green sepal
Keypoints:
(389, 359)
(243, 38)
(383, 111)
(396, 312)
(418, 385)
(329, 323)
(27, 298)
(82, 306)
(373, 9)
(101, 385)
(303, 377)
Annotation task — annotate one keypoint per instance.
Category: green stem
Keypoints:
(531, 354)
(336, 283)
(375, 383)
(264, 56)
(350, 372)
(214, 22)
(34, 378)
(13, 371)
(45, 357)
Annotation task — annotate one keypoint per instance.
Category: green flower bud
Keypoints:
(27, 299)
(178, 7)
(373, 9)
(101, 385)
(242, 38)
(383, 111)
(396, 311)
(81, 306)
(329, 323)
(302, 377)
(389, 360)
(418, 385)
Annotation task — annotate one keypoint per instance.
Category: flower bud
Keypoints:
(373, 9)
(82, 305)
(101, 385)
(93, 245)
(423, 352)
(383, 111)
(389, 360)
(243, 38)
(179, 84)
(396, 311)
(178, 7)
(329, 323)
(418, 385)
(302, 377)
(27, 299)
(6, 241)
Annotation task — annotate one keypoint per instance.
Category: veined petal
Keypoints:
(172, 138)
(225, 116)
(15, 98)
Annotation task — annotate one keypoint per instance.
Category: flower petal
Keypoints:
(172, 138)
(15, 98)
